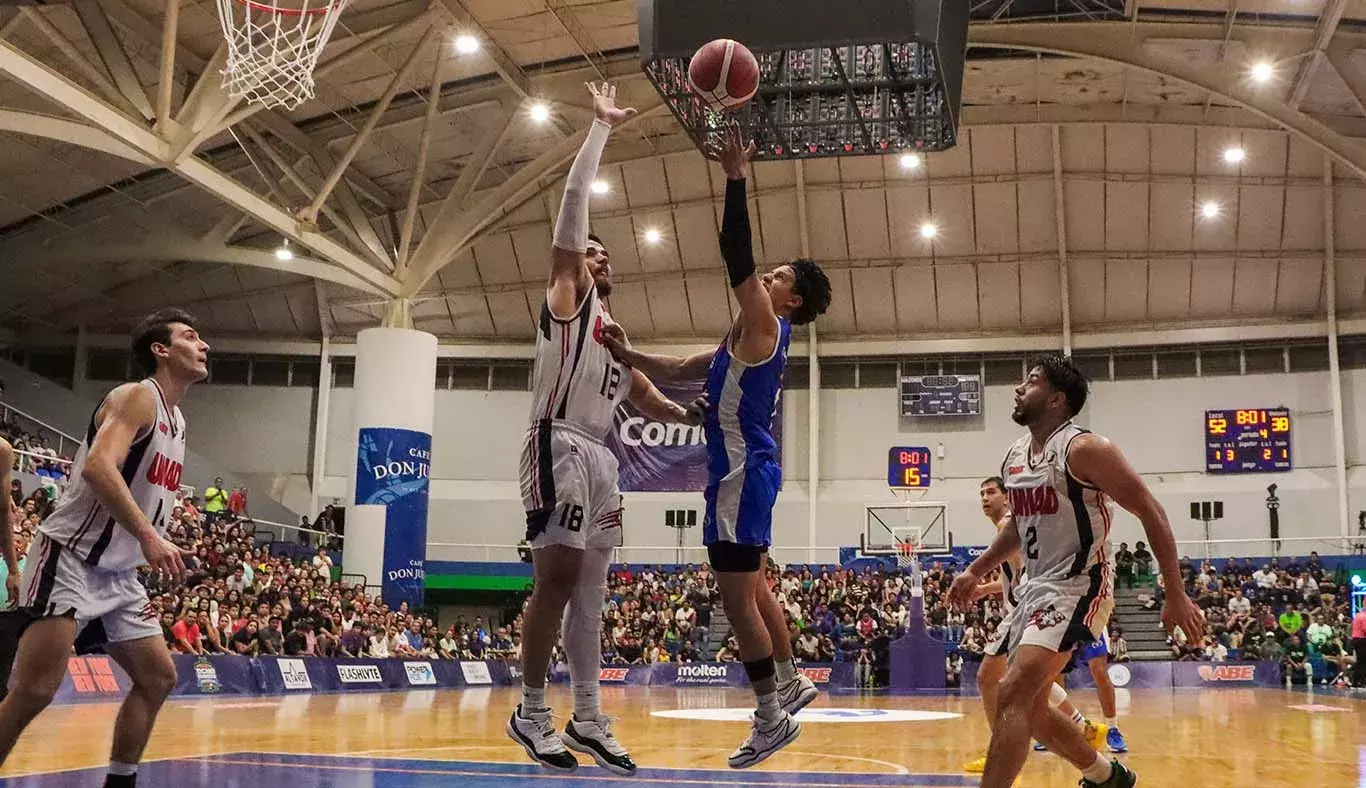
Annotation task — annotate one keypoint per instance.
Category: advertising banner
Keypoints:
(92, 678)
(208, 676)
(658, 457)
(393, 469)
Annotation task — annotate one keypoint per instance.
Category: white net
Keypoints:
(273, 50)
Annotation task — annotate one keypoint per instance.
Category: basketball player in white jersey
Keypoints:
(7, 548)
(569, 477)
(993, 667)
(80, 584)
(1058, 479)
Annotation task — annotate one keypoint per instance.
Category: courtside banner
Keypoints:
(658, 457)
(209, 676)
(92, 678)
(393, 469)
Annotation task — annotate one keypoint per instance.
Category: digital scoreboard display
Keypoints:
(941, 395)
(908, 466)
(1255, 440)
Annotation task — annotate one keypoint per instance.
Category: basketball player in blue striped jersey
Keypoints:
(569, 478)
(744, 377)
(80, 584)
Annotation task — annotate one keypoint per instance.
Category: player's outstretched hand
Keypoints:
(605, 104)
(1180, 611)
(963, 588)
(696, 412)
(163, 556)
(734, 153)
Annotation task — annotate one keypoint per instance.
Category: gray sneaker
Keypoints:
(765, 739)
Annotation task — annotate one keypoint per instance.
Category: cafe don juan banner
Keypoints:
(658, 457)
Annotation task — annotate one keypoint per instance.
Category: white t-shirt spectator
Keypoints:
(1240, 606)
(379, 646)
(322, 564)
(1216, 652)
(1319, 633)
(1264, 578)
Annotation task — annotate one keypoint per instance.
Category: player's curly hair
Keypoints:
(814, 287)
(1063, 374)
(155, 329)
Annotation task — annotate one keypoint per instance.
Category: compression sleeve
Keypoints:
(737, 247)
(571, 228)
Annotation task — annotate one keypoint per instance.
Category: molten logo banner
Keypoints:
(657, 457)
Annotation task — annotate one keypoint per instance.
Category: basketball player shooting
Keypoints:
(744, 376)
(80, 584)
(1058, 478)
(993, 668)
(569, 477)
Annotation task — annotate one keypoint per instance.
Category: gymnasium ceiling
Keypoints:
(1093, 134)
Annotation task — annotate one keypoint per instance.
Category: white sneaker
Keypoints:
(766, 739)
(594, 738)
(797, 693)
(536, 733)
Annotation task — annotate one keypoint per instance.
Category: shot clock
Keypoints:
(1250, 440)
(908, 466)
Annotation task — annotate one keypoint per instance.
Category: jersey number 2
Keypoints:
(611, 376)
(1031, 543)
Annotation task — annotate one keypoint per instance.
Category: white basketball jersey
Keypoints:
(574, 378)
(81, 524)
(1012, 577)
(1064, 524)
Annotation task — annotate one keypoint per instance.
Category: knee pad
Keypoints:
(1056, 695)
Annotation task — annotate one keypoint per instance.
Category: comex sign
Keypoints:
(636, 431)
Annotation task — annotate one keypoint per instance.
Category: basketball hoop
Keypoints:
(905, 554)
(272, 49)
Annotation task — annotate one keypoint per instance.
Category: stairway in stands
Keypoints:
(1142, 628)
(720, 630)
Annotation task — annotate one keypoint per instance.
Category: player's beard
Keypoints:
(1021, 415)
(604, 287)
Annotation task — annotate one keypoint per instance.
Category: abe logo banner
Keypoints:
(616, 675)
(393, 470)
(658, 457)
(1235, 673)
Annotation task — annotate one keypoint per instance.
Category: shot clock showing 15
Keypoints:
(908, 466)
(1247, 440)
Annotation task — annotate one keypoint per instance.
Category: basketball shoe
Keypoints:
(797, 693)
(766, 739)
(536, 733)
(594, 738)
(1096, 733)
(1120, 777)
(1115, 740)
(976, 767)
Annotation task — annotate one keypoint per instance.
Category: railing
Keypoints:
(633, 554)
(1299, 546)
(28, 462)
(279, 531)
(66, 444)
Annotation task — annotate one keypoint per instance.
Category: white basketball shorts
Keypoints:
(570, 488)
(58, 583)
(1060, 615)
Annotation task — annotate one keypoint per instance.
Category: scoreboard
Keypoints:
(908, 466)
(941, 395)
(1251, 440)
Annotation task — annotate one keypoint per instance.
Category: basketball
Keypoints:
(724, 73)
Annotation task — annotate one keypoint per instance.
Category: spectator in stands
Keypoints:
(729, 651)
(322, 565)
(1295, 665)
(1124, 566)
(237, 502)
(271, 638)
(1143, 560)
(215, 501)
(689, 653)
(185, 634)
(1319, 632)
(379, 643)
(1291, 622)
(1119, 647)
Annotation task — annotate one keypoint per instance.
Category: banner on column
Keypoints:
(393, 468)
(658, 457)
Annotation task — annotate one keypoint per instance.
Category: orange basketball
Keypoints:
(724, 73)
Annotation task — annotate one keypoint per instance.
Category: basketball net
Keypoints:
(906, 553)
(273, 49)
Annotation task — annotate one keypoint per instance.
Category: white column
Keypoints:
(813, 442)
(395, 393)
(1334, 368)
(320, 416)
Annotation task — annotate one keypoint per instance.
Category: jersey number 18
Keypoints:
(611, 376)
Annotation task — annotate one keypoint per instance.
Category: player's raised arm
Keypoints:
(650, 401)
(7, 525)
(569, 279)
(128, 412)
(1108, 471)
(758, 323)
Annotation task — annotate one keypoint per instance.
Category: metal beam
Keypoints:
(503, 63)
(73, 55)
(306, 145)
(68, 95)
(1324, 30)
(1060, 215)
(63, 130)
(420, 174)
(113, 55)
(569, 22)
(170, 28)
(1124, 44)
(454, 228)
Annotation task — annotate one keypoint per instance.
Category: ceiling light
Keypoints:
(652, 236)
(910, 161)
(600, 187)
(540, 112)
(466, 44)
(1263, 71)
(1234, 155)
(1209, 210)
(283, 253)
(928, 231)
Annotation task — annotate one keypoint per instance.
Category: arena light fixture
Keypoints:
(910, 161)
(601, 187)
(466, 44)
(283, 253)
(1356, 580)
(1234, 155)
(653, 236)
(928, 231)
(540, 112)
(1262, 71)
(1209, 209)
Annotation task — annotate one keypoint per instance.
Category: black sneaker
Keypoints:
(1120, 777)
(536, 733)
(594, 738)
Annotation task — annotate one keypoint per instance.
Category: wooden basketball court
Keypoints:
(1206, 739)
